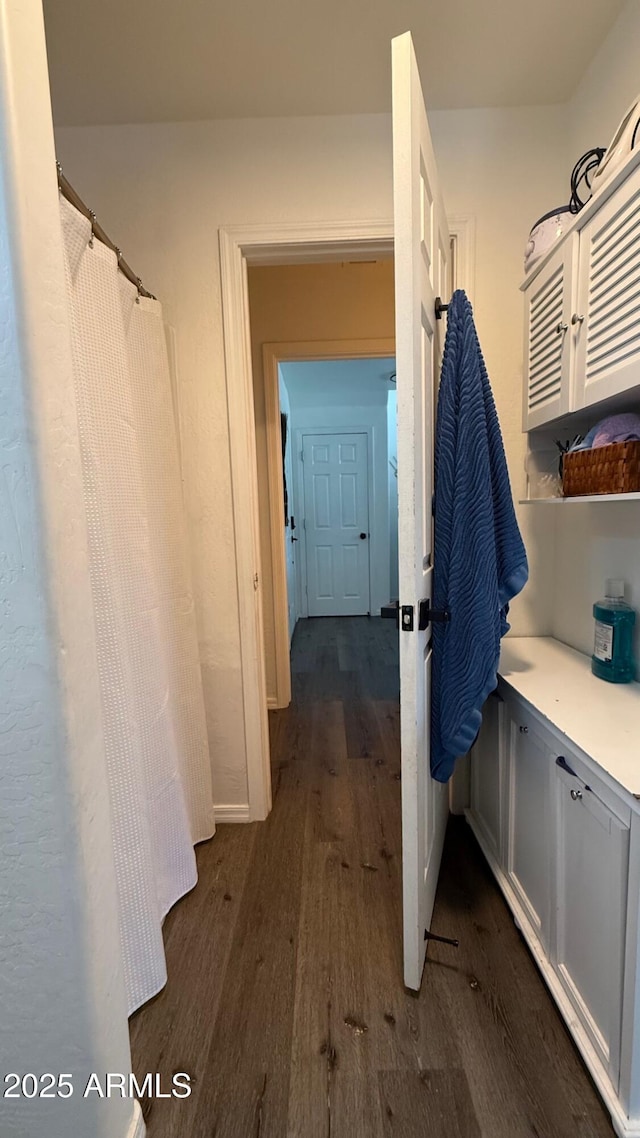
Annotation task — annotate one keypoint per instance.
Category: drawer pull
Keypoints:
(524, 730)
(576, 795)
(577, 318)
(561, 327)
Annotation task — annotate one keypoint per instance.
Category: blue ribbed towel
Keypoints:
(480, 561)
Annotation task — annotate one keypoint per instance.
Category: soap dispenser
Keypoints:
(612, 658)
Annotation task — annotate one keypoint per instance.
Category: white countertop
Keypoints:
(602, 719)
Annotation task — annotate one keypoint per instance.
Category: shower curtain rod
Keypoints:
(67, 190)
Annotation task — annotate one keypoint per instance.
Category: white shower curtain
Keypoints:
(153, 713)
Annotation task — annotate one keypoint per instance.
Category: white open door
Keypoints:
(421, 259)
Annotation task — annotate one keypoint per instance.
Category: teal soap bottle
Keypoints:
(612, 658)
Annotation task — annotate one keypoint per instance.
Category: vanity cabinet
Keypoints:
(582, 333)
(559, 832)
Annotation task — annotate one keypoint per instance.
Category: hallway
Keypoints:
(285, 1001)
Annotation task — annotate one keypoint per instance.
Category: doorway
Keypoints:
(241, 248)
(336, 381)
(342, 512)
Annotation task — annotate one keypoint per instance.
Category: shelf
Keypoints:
(580, 498)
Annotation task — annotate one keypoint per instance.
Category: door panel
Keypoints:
(530, 834)
(550, 338)
(609, 341)
(336, 494)
(487, 768)
(421, 253)
(592, 861)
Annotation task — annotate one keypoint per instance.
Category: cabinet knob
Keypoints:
(577, 319)
(576, 795)
(524, 730)
(561, 326)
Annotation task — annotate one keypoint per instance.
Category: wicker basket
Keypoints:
(614, 469)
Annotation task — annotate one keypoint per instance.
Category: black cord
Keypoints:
(583, 171)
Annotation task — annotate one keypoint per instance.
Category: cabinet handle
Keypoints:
(561, 326)
(524, 730)
(576, 795)
(577, 319)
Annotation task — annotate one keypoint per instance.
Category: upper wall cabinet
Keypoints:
(582, 332)
(608, 340)
(549, 339)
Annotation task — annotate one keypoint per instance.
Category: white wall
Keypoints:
(599, 541)
(61, 977)
(608, 86)
(348, 394)
(162, 191)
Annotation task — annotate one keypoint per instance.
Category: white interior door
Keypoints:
(421, 259)
(336, 497)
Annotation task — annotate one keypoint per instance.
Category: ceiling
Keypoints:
(117, 61)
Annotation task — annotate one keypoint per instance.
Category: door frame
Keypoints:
(273, 354)
(273, 244)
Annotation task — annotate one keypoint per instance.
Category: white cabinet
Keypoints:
(528, 855)
(582, 333)
(592, 850)
(556, 834)
(549, 337)
(487, 776)
(608, 341)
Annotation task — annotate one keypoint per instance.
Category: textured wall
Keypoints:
(61, 986)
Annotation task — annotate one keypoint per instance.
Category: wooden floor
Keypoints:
(285, 1000)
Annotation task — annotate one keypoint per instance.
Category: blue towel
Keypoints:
(480, 561)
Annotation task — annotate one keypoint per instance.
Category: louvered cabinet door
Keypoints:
(608, 310)
(550, 338)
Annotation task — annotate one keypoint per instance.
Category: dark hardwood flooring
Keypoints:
(285, 1000)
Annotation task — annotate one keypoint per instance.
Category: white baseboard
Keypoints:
(232, 812)
(137, 1128)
